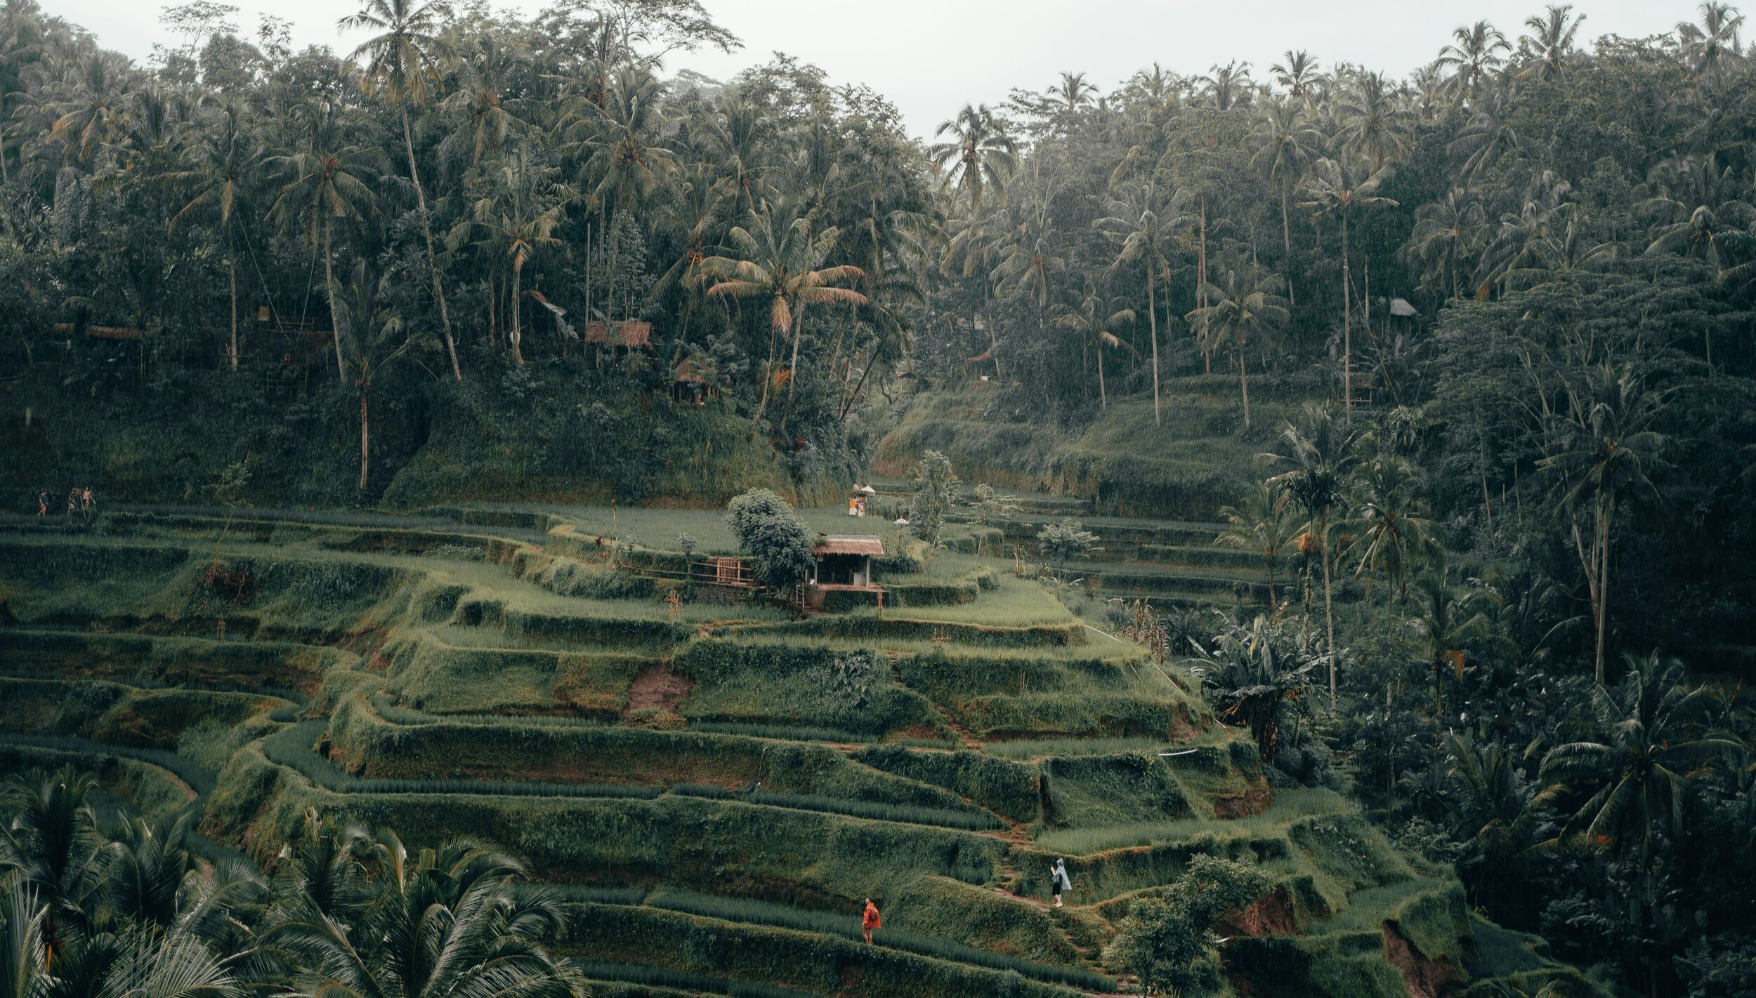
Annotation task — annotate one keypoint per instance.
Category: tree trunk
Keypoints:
(1286, 239)
(1201, 289)
(365, 451)
(232, 272)
(1347, 322)
(1328, 606)
(408, 143)
(1103, 395)
(1604, 511)
(793, 366)
(515, 334)
(341, 368)
(1244, 380)
(1152, 321)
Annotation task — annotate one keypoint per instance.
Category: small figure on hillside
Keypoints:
(869, 921)
(72, 502)
(88, 504)
(42, 504)
(1059, 880)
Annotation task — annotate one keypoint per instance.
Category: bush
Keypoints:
(773, 536)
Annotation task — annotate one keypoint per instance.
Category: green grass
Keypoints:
(1289, 806)
(1039, 748)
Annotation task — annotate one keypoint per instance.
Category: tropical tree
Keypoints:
(780, 256)
(1712, 47)
(1450, 620)
(222, 165)
(1492, 809)
(1286, 143)
(1244, 307)
(1336, 191)
(978, 154)
(1095, 320)
(1391, 534)
(402, 60)
(1546, 50)
(1601, 452)
(321, 187)
(1472, 58)
(1146, 225)
(380, 337)
(1296, 71)
(1446, 237)
(1320, 451)
(1630, 785)
(515, 220)
(1266, 525)
(1376, 123)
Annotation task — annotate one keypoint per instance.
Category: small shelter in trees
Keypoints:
(689, 383)
(844, 561)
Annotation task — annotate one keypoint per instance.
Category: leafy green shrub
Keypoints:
(772, 535)
(935, 494)
(1108, 790)
(1008, 788)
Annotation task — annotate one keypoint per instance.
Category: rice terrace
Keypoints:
(496, 510)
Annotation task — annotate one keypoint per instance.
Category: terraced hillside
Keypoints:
(714, 785)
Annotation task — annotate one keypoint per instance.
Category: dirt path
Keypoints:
(657, 686)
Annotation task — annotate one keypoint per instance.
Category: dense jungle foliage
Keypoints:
(1516, 581)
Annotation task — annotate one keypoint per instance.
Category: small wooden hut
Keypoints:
(844, 561)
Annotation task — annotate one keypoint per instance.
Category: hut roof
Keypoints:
(865, 544)
(619, 334)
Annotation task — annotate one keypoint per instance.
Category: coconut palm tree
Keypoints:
(1337, 191)
(1699, 214)
(1320, 449)
(1392, 535)
(221, 167)
(402, 60)
(1376, 123)
(781, 256)
(323, 186)
(1245, 306)
(1601, 452)
(1265, 525)
(1472, 58)
(514, 221)
(1446, 237)
(1146, 225)
(979, 153)
(1296, 71)
(1546, 50)
(1286, 143)
(1096, 319)
(1712, 47)
(1492, 809)
(1228, 86)
(1630, 784)
(1451, 620)
(380, 337)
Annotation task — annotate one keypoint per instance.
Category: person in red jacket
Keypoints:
(869, 921)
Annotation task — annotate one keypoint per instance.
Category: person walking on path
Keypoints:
(869, 921)
(42, 505)
(72, 502)
(1059, 880)
(87, 504)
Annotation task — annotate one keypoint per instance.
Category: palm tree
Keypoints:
(1712, 46)
(1492, 810)
(403, 60)
(1599, 452)
(1229, 85)
(1146, 226)
(51, 850)
(485, 119)
(1445, 239)
(1488, 136)
(323, 186)
(1449, 620)
(1547, 49)
(980, 152)
(451, 922)
(1699, 214)
(1472, 58)
(1030, 255)
(379, 338)
(1286, 142)
(1321, 453)
(1296, 71)
(780, 257)
(1245, 306)
(516, 220)
(1265, 525)
(1073, 92)
(1096, 319)
(1631, 783)
(1376, 123)
(220, 168)
(1336, 191)
(1391, 534)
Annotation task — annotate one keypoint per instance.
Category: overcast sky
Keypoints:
(932, 56)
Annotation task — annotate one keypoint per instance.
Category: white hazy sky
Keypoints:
(932, 56)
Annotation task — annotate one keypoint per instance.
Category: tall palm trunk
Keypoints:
(232, 273)
(516, 335)
(1328, 604)
(1347, 322)
(1152, 322)
(1286, 240)
(365, 451)
(341, 367)
(793, 369)
(1103, 394)
(408, 143)
(1244, 379)
(1201, 288)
